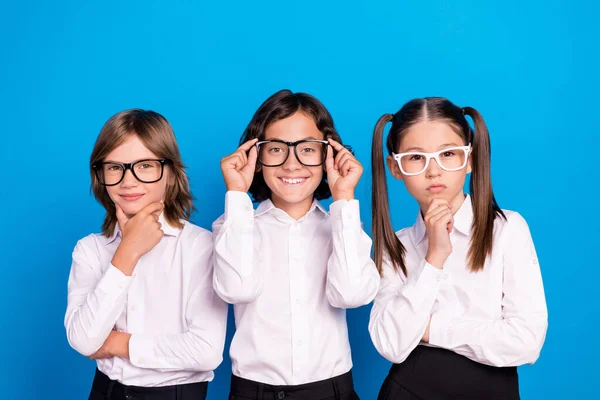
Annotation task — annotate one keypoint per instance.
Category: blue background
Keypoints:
(531, 68)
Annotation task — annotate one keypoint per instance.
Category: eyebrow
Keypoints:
(439, 148)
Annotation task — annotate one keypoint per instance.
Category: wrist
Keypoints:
(125, 259)
(343, 195)
(236, 188)
(437, 259)
(121, 345)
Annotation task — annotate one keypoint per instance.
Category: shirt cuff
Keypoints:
(424, 286)
(114, 282)
(141, 350)
(345, 214)
(237, 203)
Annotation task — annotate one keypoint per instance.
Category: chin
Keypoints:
(131, 209)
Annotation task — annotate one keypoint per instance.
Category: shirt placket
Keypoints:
(298, 288)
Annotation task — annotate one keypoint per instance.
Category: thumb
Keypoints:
(121, 217)
(451, 225)
(329, 160)
(251, 163)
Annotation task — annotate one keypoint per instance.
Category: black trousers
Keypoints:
(337, 388)
(105, 389)
(437, 374)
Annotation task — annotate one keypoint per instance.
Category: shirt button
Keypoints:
(247, 208)
(297, 301)
(535, 261)
(121, 286)
(299, 342)
(133, 308)
(280, 395)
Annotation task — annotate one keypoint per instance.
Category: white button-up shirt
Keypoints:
(496, 316)
(291, 281)
(176, 319)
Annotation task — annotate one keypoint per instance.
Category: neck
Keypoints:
(294, 210)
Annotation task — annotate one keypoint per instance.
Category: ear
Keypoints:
(469, 168)
(394, 168)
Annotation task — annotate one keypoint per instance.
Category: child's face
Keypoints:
(285, 193)
(434, 182)
(130, 194)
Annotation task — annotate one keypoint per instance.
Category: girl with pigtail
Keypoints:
(461, 302)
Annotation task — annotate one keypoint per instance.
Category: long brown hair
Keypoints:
(485, 207)
(158, 136)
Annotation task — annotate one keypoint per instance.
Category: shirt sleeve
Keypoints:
(352, 278)
(237, 278)
(402, 308)
(517, 338)
(200, 347)
(95, 299)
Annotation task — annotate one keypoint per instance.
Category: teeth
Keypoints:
(292, 181)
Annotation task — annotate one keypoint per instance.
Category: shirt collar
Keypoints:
(463, 219)
(166, 228)
(267, 206)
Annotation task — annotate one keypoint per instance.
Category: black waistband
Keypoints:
(431, 372)
(105, 385)
(332, 387)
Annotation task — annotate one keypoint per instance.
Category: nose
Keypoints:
(292, 163)
(433, 169)
(129, 180)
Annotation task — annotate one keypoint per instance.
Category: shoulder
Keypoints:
(195, 234)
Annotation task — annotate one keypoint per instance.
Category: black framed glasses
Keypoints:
(275, 152)
(146, 171)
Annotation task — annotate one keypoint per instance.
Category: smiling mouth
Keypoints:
(293, 181)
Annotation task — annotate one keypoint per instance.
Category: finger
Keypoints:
(442, 218)
(354, 166)
(345, 166)
(341, 157)
(432, 211)
(156, 214)
(436, 204)
(233, 161)
(121, 217)
(246, 146)
(439, 215)
(336, 145)
(152, 208)
(251, 160)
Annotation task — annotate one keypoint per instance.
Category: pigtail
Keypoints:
(384, 238)
(485, 207)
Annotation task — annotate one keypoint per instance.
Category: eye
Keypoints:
(275, 150)
(113, 168)
(448, 153)
(308, 150)
(146, 166)
(416, 157)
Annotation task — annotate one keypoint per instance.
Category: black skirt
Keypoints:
(337, 388)
(436, 374)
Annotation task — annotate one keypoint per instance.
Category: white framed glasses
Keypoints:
(449, 159)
